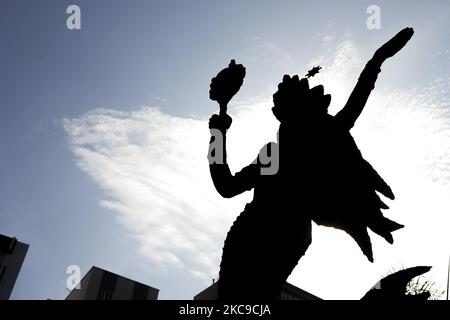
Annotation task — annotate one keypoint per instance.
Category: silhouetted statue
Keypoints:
(321, 176)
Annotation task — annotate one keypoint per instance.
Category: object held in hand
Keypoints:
(226, 84)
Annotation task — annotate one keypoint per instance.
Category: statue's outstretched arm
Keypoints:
(227, 184)
(368, 77)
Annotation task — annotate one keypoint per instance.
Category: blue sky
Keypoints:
(131, 56)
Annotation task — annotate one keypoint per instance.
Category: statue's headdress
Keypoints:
(294, 95)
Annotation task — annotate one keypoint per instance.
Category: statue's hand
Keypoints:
(220, 122)
(394, 45)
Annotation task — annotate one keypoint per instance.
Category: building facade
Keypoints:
(12, 255)
(288, 292)
(99, 284)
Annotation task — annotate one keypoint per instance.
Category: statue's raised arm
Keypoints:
(222, 89)
(368, 77)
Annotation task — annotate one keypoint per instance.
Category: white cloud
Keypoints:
(154, 171)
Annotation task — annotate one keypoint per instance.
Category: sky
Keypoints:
(104, 134)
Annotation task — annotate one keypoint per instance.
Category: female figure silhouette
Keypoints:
(321, 177)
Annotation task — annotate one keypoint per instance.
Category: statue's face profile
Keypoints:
(294, 101)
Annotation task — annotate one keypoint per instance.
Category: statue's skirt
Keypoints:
(260, 252)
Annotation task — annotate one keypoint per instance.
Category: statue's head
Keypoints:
(295, 99)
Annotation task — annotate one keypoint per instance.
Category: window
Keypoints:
(104, 294)
(2, 272)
